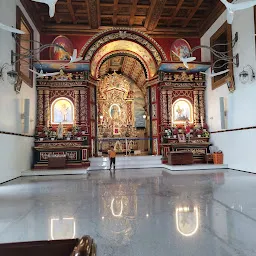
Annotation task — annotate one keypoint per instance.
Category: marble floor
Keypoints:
(136, 213)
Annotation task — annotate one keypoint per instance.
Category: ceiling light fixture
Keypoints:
(11, 29)
(50, 3)
(233, 7)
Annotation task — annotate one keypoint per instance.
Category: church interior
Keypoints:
(164, 90)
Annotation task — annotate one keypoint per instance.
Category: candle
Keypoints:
(202, 123)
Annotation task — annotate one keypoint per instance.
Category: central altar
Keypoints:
(120, 107)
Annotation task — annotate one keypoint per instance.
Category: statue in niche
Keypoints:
(64, 112)
(60, 131)
(114, 112)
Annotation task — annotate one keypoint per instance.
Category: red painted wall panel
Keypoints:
(79, 42)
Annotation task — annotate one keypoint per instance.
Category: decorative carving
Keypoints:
(59, 144)
(83, 107)
(169, 110)
(196, 108)
(58, 84)
(54, 94)
(46, 107)
(77, 108)
(40, 107)
(154, 14)
(93, 14)
(71, 155)
(201, 107)
(163, 104)
(131, 34)
(154, 111)
(155, 146)
(153, 94)
(183, 94)
(154, 128)
(195, 151)
(93, 128)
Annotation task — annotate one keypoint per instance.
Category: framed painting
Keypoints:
(62, 111)
(181, 47)
(182, 111)
(181, 138)
(57, 53)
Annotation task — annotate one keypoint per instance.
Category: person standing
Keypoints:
(112, 158)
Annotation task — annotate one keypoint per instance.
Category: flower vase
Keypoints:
(68, 138)
(78, 138)
(175, 136)
(199, 136)
(52, 138)
(83, 132)
(41, 139)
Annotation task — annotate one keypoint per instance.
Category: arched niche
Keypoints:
(182, 111)
(62, 111)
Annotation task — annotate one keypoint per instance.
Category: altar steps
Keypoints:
(126, 162)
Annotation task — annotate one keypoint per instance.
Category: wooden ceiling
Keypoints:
(159, 18)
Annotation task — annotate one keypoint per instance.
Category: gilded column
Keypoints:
(164, 106)
(196, 108)
(77, 108)
(40, 107)
(46, 108)
(83, 107)
(201, 107)
(170, 107)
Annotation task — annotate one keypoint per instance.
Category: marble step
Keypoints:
(101, 163)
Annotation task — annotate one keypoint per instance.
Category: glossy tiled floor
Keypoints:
(136, 212)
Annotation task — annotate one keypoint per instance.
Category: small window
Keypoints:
(24, 44)
(222, 37)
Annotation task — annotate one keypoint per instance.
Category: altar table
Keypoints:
(76, 153)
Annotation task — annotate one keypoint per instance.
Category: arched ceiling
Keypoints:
(126, 65)
(127, 46)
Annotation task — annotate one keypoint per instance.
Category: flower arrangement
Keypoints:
(70, 129)
(175, 131)
(206, 134)
(205, 126)
(199, 132)
(75, 129)
(39, 129)
(79, 134)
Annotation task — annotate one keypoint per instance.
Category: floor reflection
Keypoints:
(135, 212)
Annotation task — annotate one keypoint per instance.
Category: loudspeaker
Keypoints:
(26, 115)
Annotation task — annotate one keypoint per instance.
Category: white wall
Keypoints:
(238, 147)
(15, 151)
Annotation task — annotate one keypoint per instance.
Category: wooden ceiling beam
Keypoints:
(71, 11)
(192, 13)
(154, 14)
(175, 12)
(115, 11)
(133, 12)
(93, 7)
(217, 10)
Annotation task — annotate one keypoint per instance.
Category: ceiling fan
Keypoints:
(184, 60)
(41, 74)
(213, 74)
(233, 7)
(11, 29)
(74, 58)
(50, 3)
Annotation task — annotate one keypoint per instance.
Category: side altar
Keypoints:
(65, 115)
(182, 125)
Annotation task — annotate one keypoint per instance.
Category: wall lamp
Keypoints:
(246, 74)
(12, 76)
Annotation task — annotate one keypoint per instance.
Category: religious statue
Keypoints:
(60, 131)
(64, 112)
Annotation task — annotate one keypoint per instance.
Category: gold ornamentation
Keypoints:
(77, 107)
(46, 107)
(196, 108)
(40, 107)
(133, 34)
(154, 128)
(59, 144)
